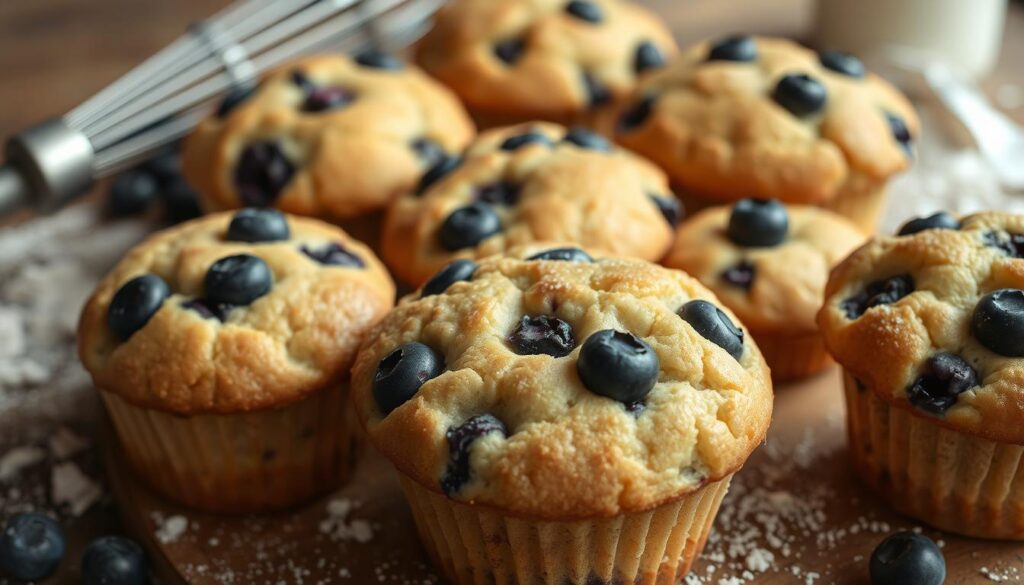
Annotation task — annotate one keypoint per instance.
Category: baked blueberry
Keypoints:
(209, 310)
(587, 139)
(468, 226)
(758, 223)
(733, 48)
(114, 560)
(542, 334)
(31, 546)
(235, 97)
(935, 221)
(302, 81)
(135, 303)
(906, 558)
(998, 322)
(1010, 244)
(841, 62)
(262, 172)
(585, 11)
(714, 325)
(441, 169)
(428, 151)
(618, 365)
(333, 254)
(800, 93)
(237, 280)
(455, 271)
(498, 193)
(180, 200)
(322, 99)
(563, 255)
(401, 373)
(741, 275)
(944, 377)
(648, 56)
(670, 207)
(378, 60)
(880, 292)
(510, 51)
(460, 439)
(598, 93)
(258, 225)
(634, 116)
(900, 132)
(521, 140)
(132, 192)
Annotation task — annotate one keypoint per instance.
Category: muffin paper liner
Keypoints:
(482, 546)
(792, 357)
(240, 463)
(948, 479)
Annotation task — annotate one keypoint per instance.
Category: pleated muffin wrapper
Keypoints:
(951, 480)
(480, 545)
(249, 462)
(792, 356)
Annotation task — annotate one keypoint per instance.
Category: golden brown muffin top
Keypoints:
(521, 409)
(276, 321)
(933, 322)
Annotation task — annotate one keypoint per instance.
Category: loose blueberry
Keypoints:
(460, 439)
(635, 116)
(468, 226)
(598, 93)
(135, 303)
(1010, 244)
(401, 373)
(618, 365)
(563, 255)
(165, 167)
(900, 132)
(758, 223)
(258, 225)
(333, 254)
(456, 271)
(943, 379)
(670, 207)
(841, 62)
(542, 334)
(237, 280)
(585, 11)
(181, 203)
(31, 547)
(235, 97)
(132, 192)
(322, 99)
(734, 48)
(378, 60)
(587, 139)
(510, 51)
(714, 325)
(801, 94)
(741, 275)
(880, 292)
(428, 151)
(936, 221)
(520, 140)
(906, 558)
(208, 309)
(113, 560)
(441, 169)
(499, 193)
(998, 322)
(262, 172)
(648, 56)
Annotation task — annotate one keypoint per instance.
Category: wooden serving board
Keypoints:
(796, 499)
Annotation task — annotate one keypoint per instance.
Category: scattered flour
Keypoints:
(338, 526)
(171, 529)
(72, 489)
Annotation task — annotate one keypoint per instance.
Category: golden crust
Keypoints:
(297, 339)
(566, 193)
(716, 130)
(571, 453)
(789, 282)
(349, 161)
(885, 348)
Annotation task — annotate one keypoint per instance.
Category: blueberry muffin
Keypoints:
(520, 60)
(328, 136)
(929, 328)
(557, 417)
(769, 263)
(222, 349)
(534, 182)
(760, 117)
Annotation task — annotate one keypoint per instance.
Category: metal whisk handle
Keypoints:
(47, 166)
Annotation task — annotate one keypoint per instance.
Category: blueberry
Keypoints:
(758, 223)
(165, 167)
(428, 151)
(237, 280)
(132, 192)
(258, 225)
(441, 169)
(181, 203)
(135, 303)
(468, 226)
(235, 97)
(460, 439)
(563, 255)
(906, 558)
(943, 379)
(841, 62)
(208, 309)
(800, 93)
(322, 99)
(401, 373)
(880, 292)
(998, 322)
(521, 140)
(498, 193)
(456, 271)
(733, 48)
(598, 93)
(378, 60)
(587, 139)
(741, 275)
(510, 51)
(542, 334)
(670, 207)
(936, 221)
(648, 56)
(114, 560)
(1010, 244)
(635, 116)
(900, 132)
(333, 254)
(585, 11)
(714, 325)
(618, 365)
(31, 546)
(262, 172)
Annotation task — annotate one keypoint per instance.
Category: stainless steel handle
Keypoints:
(47, 166)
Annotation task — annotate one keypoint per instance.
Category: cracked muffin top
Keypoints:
(933, 321)
(761, 117)
(233, 313)
(554, 383)
(327, 136)
(536, 182)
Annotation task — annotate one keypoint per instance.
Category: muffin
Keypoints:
(556, 418)
(222, 348)
(929, 329)
(767, 118)
(769, 263)
(530, 183)
(521, 60)
(327, 136)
